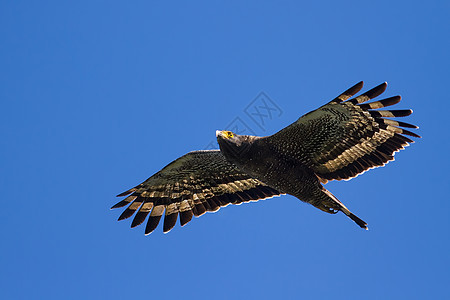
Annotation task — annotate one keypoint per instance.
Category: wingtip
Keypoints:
(124, 193)
(127, 192)
(383, 85)
(358, 86)
(136, 222)
(122, 217)
(118, 205)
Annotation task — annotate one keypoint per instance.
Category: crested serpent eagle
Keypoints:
(339, 140)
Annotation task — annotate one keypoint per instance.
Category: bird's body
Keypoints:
(337, 141)
(280, 171)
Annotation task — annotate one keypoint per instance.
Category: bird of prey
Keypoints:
(338, 141)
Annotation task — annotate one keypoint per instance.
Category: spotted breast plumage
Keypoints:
(339, 140)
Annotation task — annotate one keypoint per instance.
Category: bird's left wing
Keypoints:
(345, 137)
(197, 182)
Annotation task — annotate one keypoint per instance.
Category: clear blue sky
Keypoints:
(98, 95)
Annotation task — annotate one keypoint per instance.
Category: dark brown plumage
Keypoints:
(339, 140)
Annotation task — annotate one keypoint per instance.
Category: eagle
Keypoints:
(338, 141)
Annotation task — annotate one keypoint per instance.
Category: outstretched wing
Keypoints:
(345, 137)
(197, 182)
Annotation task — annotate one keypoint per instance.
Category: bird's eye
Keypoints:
(229, 134)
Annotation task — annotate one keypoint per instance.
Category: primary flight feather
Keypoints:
(339, 140)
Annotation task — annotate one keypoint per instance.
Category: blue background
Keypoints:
(97, 96)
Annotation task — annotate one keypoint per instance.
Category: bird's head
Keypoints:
(233, 145)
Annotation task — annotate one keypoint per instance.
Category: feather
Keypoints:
(131, 209)
(142, 214)
(390, 113)
(170, 221)
(382, 103)
(395, 123)
(214, 206)
(370, 94)
(348, 93)
(199, 209)
(154, 218)
(126, 192)
(124, 202)
(185, 217)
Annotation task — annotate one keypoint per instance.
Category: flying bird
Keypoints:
(338, 141)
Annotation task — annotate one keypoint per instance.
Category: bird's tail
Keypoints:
(339, 206)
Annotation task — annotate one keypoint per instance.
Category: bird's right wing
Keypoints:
(197, 182)
(345, 137)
